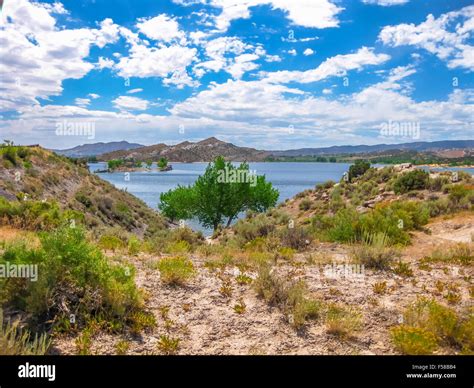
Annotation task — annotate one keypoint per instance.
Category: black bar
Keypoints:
(299, 371)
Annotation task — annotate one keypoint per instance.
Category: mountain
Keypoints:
(421, 146)
(86, 150)
(202, 151)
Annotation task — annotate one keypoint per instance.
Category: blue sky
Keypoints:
(270, 74)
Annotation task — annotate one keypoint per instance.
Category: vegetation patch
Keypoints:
(176, 271)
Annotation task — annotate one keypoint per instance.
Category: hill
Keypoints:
(34, 176)
(188, 152)
(88, 150)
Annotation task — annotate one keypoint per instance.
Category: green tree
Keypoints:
(114, 163)
(358, 168)
(149, 163)
(162, 163)
(219, 195)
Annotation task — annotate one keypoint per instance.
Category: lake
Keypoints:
(289, 178)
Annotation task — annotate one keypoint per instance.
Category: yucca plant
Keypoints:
(16, 341)
(375, 251)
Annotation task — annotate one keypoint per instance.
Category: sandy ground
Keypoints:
(205, 321)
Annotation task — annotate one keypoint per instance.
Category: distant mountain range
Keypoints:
(208, 149)
(88, 150)
(421, 146)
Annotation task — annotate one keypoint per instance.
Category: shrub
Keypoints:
(250, 229)
(305, 204)
(122, 347)
(289, 297)
(380, 287)
(403, 269)
(296, 238)
(36, 215)
(134, 245)
(461, 253)
(240, 307)
(326, 185)
(457, 193)
(342, 321)
(413, 340)
(412, 180)
(175, 270)
(178, 247)
(344, 226)
(9, 154)
(110, 242)
(442, 322)
(436, 184)
(286, 253)
(358, 168)
(168, 345)
(164, 238)
(141, 321)
(374, 252)
(84, 199)
(75, 277)
(299, 307)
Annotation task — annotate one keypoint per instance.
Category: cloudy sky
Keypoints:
(270, 74)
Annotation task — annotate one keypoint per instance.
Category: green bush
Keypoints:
(413, 340)
(176, 270)
(412, 180)
(9, 154)
(74, 277)
(36, 215)
(110, 243)
(394, 220)
(445, 325)
(251, 228)
(359, 168)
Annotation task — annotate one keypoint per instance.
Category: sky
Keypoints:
(268, 74)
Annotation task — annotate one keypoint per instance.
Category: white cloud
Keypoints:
(259, 108)
(272, 58)
(259, 113)
(82, 101)
(161, 27)
(308, 52)
(334, 66)
(105, 63)
(128, 103)
(292, 52)
(37, 56)
(231, 55)
(386, 3)
(446, 37)
(94, 96)
(137, 90)
(327, 91)
(306, 13)
(160, 61)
